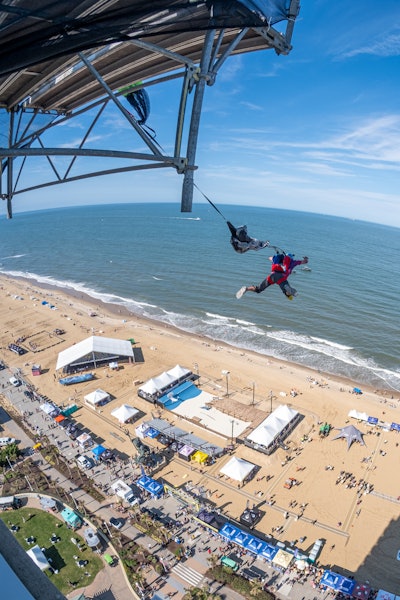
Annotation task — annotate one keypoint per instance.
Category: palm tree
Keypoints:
(213, 560)
(202, 593)
(256, 588)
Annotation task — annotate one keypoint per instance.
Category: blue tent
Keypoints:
(347, 585)
(153, 487)
(255, 545)
(331, 580)
(151, 433)
(98, 451)
(228, 531)
(395, 426)
(241, 538)
(269, 552)
(372, 420)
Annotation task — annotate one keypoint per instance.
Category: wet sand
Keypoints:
(361, 531)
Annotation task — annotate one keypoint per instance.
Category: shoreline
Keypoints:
(118, 311)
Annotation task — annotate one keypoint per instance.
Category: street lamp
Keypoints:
(226, 373)
(254, 391)
(233, 422)
(108, 529)
(270, 397)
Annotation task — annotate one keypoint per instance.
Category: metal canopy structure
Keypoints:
(61, 59)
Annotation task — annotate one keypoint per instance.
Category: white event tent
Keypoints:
(97, 398)
(270, 429)
(95, 351)
(237, 469)
(38, 557)
(124, 413)
(360, 416)
(165, 380)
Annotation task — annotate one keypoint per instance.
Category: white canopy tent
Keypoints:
(237, 469)
(272, 426)
(124, 413)
(38, 558)
(84, 440)
(98, 397)
(93, 346)
(360, 416)
(178, 372)
(50, 409)
(165, 380)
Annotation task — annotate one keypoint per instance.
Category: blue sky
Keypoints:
(318, 130)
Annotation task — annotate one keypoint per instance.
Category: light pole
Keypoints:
(196, 366)
(270, 397)
(254, 391)
(108, 529)
(226, 373)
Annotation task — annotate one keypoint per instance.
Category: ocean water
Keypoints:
(180, 269)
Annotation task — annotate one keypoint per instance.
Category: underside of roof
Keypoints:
(59, 58)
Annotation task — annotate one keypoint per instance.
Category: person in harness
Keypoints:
(282, 267)
(242, 242)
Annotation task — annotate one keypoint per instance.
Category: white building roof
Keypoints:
(94, 343)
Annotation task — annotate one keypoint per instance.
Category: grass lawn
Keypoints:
(41, 525)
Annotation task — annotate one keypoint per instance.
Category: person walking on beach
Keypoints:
(282, 267)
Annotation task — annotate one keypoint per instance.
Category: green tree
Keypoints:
(256, 588)
(200, 593)
(11, 452)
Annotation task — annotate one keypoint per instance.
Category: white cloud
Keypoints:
(387, 46)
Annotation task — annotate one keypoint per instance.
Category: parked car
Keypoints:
(2, 366)
(84, 462)
(107, 455)
(6, 441)
(15, 382)
(115, 522)
(16, 349)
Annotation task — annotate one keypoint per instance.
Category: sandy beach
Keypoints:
(361, 530)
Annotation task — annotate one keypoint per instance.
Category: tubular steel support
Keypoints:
(187, 186)
(10, 169)
(147, 140)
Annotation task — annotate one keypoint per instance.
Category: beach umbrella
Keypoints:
(301, 564)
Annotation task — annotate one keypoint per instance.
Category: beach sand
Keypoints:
(361, 532)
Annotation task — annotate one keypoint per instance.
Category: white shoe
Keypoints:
(240, 293)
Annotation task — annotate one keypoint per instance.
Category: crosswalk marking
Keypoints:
(187, 574)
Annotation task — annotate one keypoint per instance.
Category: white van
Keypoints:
(6, 441)
(14, 381)
(7, 502)
(84, 462)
